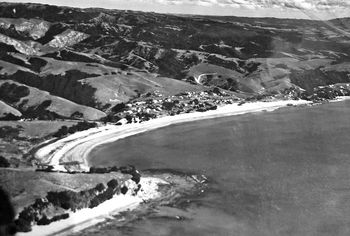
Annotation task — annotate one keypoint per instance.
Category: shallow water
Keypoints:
(278, 173)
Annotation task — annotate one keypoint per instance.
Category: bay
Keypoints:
(285, 172)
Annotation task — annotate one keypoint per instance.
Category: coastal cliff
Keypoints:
(59, 211)
(56, 206)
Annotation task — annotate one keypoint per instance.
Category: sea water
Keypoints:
(285, 172)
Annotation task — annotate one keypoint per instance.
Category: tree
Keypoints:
(168, 105)
(118, 108)
(61, 132)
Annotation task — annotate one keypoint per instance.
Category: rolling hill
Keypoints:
(61, 62)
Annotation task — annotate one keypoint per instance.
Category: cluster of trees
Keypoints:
(129, 169)
(319, 93)
(113, 117)
(144, 116)
(10, 116)
(328, 93)
(9, 132)
(52, 207)
(168, 105)
(42, 211)
(35, 213)
(80, 126)
(224, 83)
(191, 59)
(169, 65)
(311, 79)
(12, 93)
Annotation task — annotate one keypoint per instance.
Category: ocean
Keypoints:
(285, 172)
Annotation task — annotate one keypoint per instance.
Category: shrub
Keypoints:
(4, 162)
(61, 132)
(60, 217)
(112, 184)
(112, 118)
(80, 126)
(100, 187)
(124, 190)
(65, 199)
(44, 220)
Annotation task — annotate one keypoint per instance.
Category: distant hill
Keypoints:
(89, 60)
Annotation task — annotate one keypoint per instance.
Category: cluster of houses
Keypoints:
(332, 91)
(153, 105)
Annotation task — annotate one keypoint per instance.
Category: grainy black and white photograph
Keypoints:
(175, 117)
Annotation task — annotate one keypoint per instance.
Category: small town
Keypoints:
(154, 105)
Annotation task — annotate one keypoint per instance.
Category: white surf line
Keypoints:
(340, 99)
(87, 217)
(77, 147)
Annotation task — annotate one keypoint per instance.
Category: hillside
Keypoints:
(60, 62)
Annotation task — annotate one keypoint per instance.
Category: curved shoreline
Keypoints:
(76, 147)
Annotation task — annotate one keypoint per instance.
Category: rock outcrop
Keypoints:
(27, 48)
(57, 205)
(33, 28)
(67, 38)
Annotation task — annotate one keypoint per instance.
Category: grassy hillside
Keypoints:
(8, 112)
(97, 58)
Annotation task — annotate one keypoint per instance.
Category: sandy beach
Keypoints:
(77, 147)
(87, 217)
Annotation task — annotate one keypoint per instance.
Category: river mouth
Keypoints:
(280, 173)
